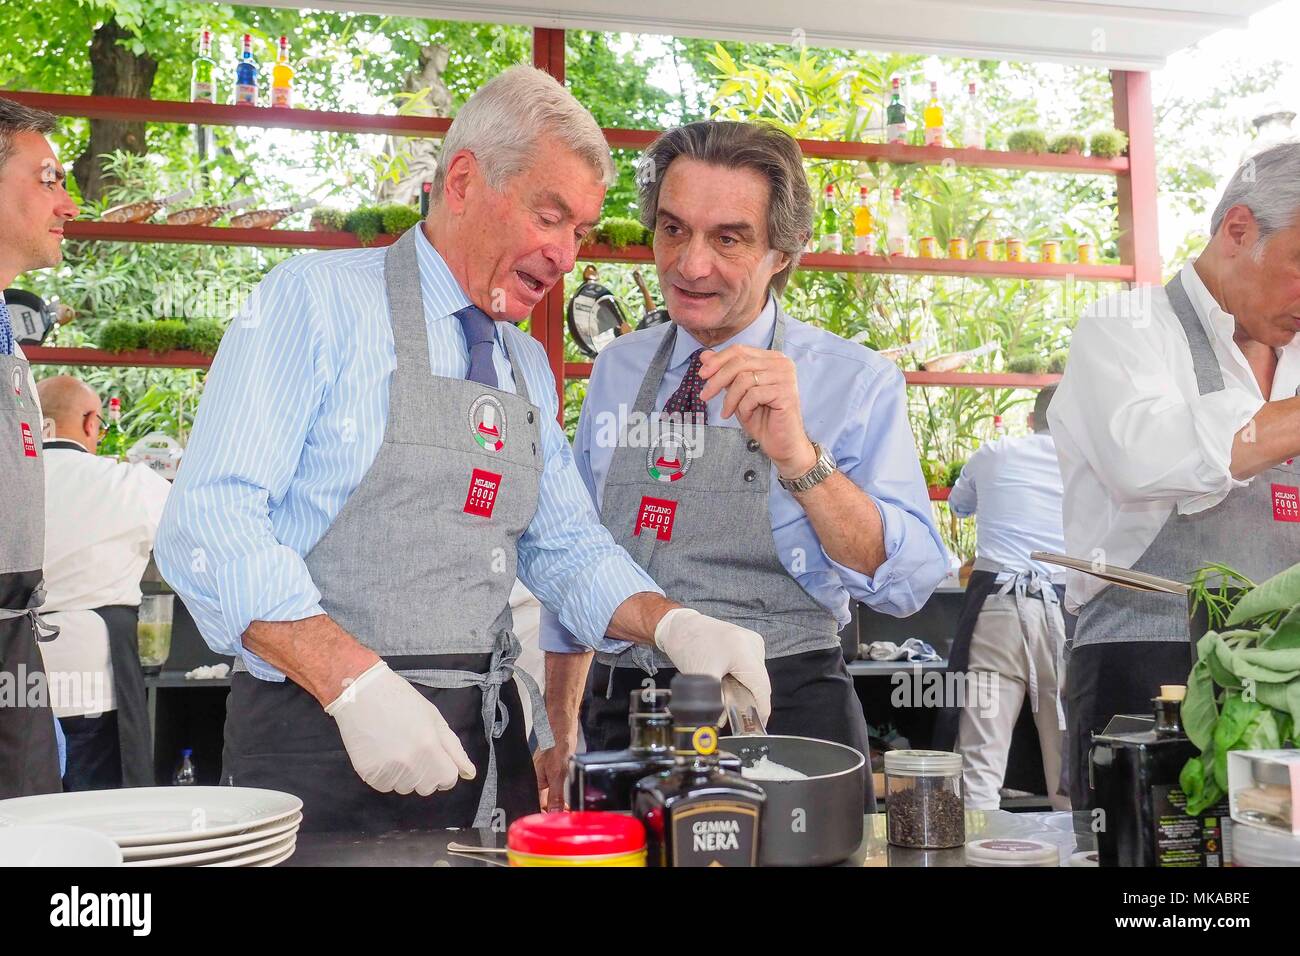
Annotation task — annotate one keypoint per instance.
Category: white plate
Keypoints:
(152, 850)
(54, 845)
(276, 860)
(137, 816)
(221, 853)
(258, 856)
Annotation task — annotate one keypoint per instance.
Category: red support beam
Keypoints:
(548, 317)
(1139, 236)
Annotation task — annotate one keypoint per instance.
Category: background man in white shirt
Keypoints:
(1011, 632)
(1176, 425)
(101, 516)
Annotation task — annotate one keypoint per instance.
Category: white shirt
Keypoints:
(1013, 487)
(101, 516)
(1135, 437)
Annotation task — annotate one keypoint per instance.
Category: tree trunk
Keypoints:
(115, 71)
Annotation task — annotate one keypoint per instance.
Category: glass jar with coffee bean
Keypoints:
(923, 799)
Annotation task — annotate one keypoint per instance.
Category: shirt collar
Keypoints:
(442, 295)
(758, 334)
(70, 443)
(1217, 323)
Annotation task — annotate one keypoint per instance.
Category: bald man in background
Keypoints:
(101, 516)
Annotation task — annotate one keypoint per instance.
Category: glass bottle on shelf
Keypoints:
(282, 77)
(933, 117)
(897, 227)
(864, 239)
(831, 240)
(896, 116)
(113, 442)
(246, 75)
(972, 132)
(203, 72)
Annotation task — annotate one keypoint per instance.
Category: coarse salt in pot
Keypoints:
(576, 838)
(923, 799)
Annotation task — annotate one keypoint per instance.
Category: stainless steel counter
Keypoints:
(429, 847)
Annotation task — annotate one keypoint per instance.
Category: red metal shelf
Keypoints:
(137, 358)
(215, 235)
(220, 114)
(929, 379)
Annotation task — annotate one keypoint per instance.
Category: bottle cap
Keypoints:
(114, 403)
(651, 701)
(696, 699)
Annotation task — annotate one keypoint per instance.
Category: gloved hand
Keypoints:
(396, 739)
(698, 644)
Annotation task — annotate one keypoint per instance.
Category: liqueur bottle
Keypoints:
(697, 814)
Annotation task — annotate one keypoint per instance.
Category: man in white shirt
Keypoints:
(101, 516)
(1176, 425)
(1011, 632)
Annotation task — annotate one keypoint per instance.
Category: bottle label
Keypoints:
(896, 133)
(832, 242)
(203, 92)
(934, 136)
(898, 245)
(864, 245)
(282, 96)
(245, 94)
(715, 833)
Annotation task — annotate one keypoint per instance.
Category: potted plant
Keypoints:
(1025, 363)
(1067, 144)
(1056, 361)
(1108, 143)
(328, 219)
(1027, 140)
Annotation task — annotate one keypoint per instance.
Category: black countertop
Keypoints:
(429, 847)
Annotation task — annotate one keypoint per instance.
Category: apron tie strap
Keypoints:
(44, 631)
(495, 715)
(1024, 585)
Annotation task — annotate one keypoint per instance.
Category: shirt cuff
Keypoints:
(907, 577)
(1216, 419)
(271, 584)
(554, 638)
(587, 612)
(864, 586)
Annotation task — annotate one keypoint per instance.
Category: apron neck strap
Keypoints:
(654, 376)
(410, 330)
(1209, 377)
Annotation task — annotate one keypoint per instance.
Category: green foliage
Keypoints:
(1108, 143)
(1056, 361)
(203, 335)
(620, 233)
(954, 472)
(164, 335)
(366, 223)
(1028, 140)
(121, 335)
(1026, 363)
(398, 217)
(328, 219)
(1067, 143)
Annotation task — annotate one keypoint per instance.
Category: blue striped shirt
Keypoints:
(854, 402)
(292, 417)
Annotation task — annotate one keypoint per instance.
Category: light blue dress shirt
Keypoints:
(1013, 487)
(292, 417)
(854, 403)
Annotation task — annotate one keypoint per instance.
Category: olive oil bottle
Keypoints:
(698, 814)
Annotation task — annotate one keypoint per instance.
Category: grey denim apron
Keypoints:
(29, 756)
(717, 555)
(418, 566)
(1127, 643)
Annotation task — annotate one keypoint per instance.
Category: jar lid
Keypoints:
(576, 833)
(995, 851)
(922, 763)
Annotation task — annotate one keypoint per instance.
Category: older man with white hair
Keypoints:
(1177, 425)
(375, 458)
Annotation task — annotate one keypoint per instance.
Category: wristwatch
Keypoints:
(823, 469)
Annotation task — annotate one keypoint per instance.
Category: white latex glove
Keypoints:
(698, 644)
(396, 739)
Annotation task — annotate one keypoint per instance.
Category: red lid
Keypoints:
(114, 403)
(576, 833)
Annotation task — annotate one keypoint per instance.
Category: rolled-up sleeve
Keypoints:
(877, 451)
(216, 546)
(964, 497)
(567, 557)
(1142, 436)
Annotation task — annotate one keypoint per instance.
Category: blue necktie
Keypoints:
(6, 330)
(480, 335)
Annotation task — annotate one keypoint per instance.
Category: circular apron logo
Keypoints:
(18, 380)
(669, 457)
(487, 422)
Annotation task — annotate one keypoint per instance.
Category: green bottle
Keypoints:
(203, 84)
(113, 442)
(896, 118)
(831, 240)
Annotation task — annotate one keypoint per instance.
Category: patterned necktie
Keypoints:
(6, 330)
(480, 335)
(686, 400)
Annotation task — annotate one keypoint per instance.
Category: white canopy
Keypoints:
(1115, 34)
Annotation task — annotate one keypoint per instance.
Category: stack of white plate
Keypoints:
(175, 826)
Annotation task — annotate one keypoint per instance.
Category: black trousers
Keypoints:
(1102, 680)
(812, 696)
(94, 752)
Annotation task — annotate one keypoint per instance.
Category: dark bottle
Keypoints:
(696, 813)
(1144, 820)
(606, 779)
(185, 775)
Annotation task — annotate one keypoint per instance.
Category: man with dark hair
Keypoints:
(795, 487)
(36, 205)
(1011, 632)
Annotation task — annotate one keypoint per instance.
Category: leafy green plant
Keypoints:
(366, 223)
(398, 217)
(1108, 143)
(203, 335)
(328, 219)
(954, 472)
(121, 335)
(620, 233)
(1056, 361)
(1244, 689)
(164, 335)
(1025, 363)
(1027, 140)
(1067, 144)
